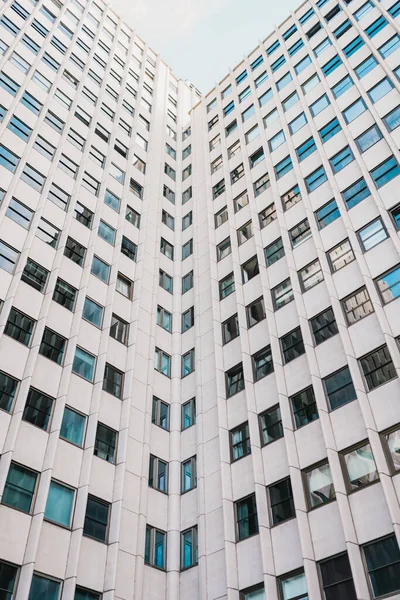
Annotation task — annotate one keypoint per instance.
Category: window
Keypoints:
(73, 426)
(319, 485)
(38, 409)
(165, 281)
(246, 517)
(297, 123)
(300, 233)
(240, 442)
(188, 475)
(340, 256)
(128, 248)
(19, 128)
(132, 217)
(188, 363)
(187, 249)
(230, 329)
(8, 389)
(323, 326)
(281, 501)
(357, 306)
(304, 407)
(8, 578)
(245, 233)
(240, 201)
(19, 327)
(311, 275)
(368, 138)
(75, 251)
(284, 81)
(220, 217)
(158, 474)
(377, 367)
(385, 172)
(59, 505)
(228, 108)
(92, 312)
(187, 282)
(234, 380)
(119, 329)
(113, 381)
(96, 519)
(290, 101)
(90, 184)
(155, 547)
(52, 346)
(256, 158)
(19, 488)
(380, 89)
(306, 149)
(44, 587)
(354, 110)
(388, 285)
(382, 558)
(189, 548)
(315, 179)
(276, 141)
(319, 105)
(261, 185)
(237, 173)
(162, 362)
(112, 200)
(310, 84)
(250, 269)
(100, 269)
(262, 363)
(187, 220)
(48, 233)
(292, 345)
(33, 274)
(19, 213)
(372, 234)
(365, 67)
(164, 318)
(265, 98)
(83, 215)
(282, 294)
(255, 312)
(8, 84)
(303, 64)
(189, 413)
(360, 468)
(124, 286)
(357, 192)
(160, 413)
(294, 587)
(337, 579)
(327, 214)
(271, 425)
(376, 27)
(83, 364)
(218, 189)
(274, 252)
(341, 159)
(169, 194)
(390, 46)
(226, 286)
(8, 159)
(329, 130)
(339, 388)
(167, 249)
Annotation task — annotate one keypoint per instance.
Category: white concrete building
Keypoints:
(200, 314)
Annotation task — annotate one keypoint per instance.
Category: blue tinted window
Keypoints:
(324, 45)
(283, 167)
(365, 67)
(345, 26)
(297, 123)
(376, 27)
(276, 141)
(327, 214)
(357, 192)
(278, 63)
(310, 84)
(368, 138)
(256, 63)
(307, 148)
(315, 179)
(354, 110)
(321, 3)
(229, 108)
(341, 159)
(8, 84)
(364, 10)
(352, 48)
(380, 90)
(284, 81)
(319, 105)
(329, 130)
(296, 47)
(8, 159)
(289, 32)
(394, 10)
(392, 120)
(303, 64)
(260, 79)
(390, 46)
(306, 16)
(291, 101)
(241, 77)
(385, 172)
(19, 128)
(273, 47)
(265, 97)
(331, 65)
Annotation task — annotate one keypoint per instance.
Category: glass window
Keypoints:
(162, 362)
(246, 517)
(189, 548)
(83, 215)
(284, 81)
(188, 363)
(59, 505)
(323, 326)
(304, 407)
(240, 201)
(357, 192)
(240, 442)
(187, 282)
(158, 474)
(372, 234)
(281, 501)
(226, 286)
(188, 475)
(377, 367)
(8, 390)
(340, 256)
(100, 269)
(271, 425)
(357, 306)
(329, 130)
(365, 67)
(128, 248)
(368, 138)
(339, 388)
(250, 269)
(385, 172)
(274, 252)
(112, 200)
(96, 519)
(33, 274)
(113, 381)
(300, 233)
(83, 364)
(360, 467)
(311, 275)
(266, 97)
(337, 579)
(315, 179)
(290, 101)
(19, 488)
(276, 141)
(389, 285)
(189, 414)
(230, 329)
(282, 294)
(64, 294)
(395, 213)
(8, 577)
(327, 214)
(319, 485)
(262, 363)
(52, 346)
(155, 547)
(164, 318)
(38, 409)
(319, 105)
(354, 110)
(390, 46)
(310, 84)
(294, 587)
(92, 312)
(255, 312)
(262, 184)
(383, 562)
(42, 587)
(322, 46)
(306, 149)
(292, 345)
(105, 443)
(73, 427)
(380, 89)
(291, 197)
(160, 413)
(19, 327)
(234, 380)
(341, 159)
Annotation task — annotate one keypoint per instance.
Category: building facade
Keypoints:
(200, 314)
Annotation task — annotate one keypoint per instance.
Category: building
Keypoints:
(200, 314)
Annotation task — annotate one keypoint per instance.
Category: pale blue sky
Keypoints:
(202, 39)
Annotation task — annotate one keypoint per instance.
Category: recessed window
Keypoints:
(167, 249)
(340, 256)
(294, 587)
(250, 269)
(162, 362)
(226, 286)
(164, 318)
(234, 380)
(262, 363)
(189, 548)
(38, 409)
(187, 249)
(64, 294)
(319, 485)
(292, 345)
(165, 281)
(83, 364)
(160, 413)
(324, 326)
(319, 105)
(19, 327)
(282, 294)
(368, 138)
(188, 363)
(189, 413)
(341, 159)
(327, 214)
(155, 547)
(377, 367)
(240, 201)
(315, 179)
(33, 274)
(281, 501)
(388, 285)
(372, 234)
(245, 233)
(274, 252)
(220, 217)
(218, 189)
(357, 306)
(360, 468)
(92, 312)
(73, 427)
(105, 443)
(339, 388)
(187, 282)
(291, 197)
(158, 474)
(354, 110)
(271, 425)
(124, 286)
(337, 579)
(59, 505)
(297, 123)
(255, 312)
(357, 192)
(106, 232)
(304, 407)
(188, 475)
(113, 381)
(100, 269)
(230, 329)
(52, 346)
(385, 172)
(8, 390)
(311, 275)
(96, 519)
(300, 233)
(262, 184)
(19, 489)
(246, 517)
(382, 559)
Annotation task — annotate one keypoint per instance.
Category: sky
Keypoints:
(202, 39)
